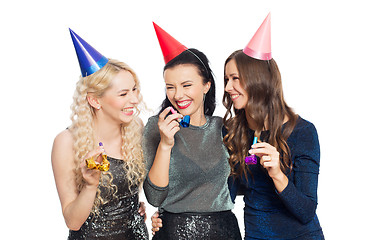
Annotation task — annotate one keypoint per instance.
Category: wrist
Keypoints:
(91, 187)
(280, 177)
(280, 181)
(165, 146)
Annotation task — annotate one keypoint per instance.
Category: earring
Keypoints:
(99, 107)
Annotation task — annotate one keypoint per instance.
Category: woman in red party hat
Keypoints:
(188, 167)
(280, 191)
(97, 162)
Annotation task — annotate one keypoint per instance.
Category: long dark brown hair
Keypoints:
(262, 81)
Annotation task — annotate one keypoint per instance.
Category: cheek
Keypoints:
(240, 89)
(196, 92)
(115, 103)
(170, 95)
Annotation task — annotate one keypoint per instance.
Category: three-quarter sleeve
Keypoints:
(300, 195)
(151, 138)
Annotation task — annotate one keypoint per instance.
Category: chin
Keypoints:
(238, 106)
(127, 119)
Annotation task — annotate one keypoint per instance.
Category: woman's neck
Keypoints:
(110, 135)
(198, 118)
(254, 126)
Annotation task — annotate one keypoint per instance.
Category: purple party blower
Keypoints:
(251, 159)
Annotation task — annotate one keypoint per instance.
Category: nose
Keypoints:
(178, 94)
(134, 98)
(229, 86)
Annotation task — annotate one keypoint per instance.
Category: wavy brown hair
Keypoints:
(262, 81)
(82, 130)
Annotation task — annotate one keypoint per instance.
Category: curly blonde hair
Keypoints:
(82, 130)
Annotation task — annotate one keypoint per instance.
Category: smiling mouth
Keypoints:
(128, 111)
(234, 96)
(184, 104)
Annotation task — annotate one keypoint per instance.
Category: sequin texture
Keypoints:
(290, 214)
(211, 226)
(119, 217)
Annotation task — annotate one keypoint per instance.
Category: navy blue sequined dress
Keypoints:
(119, 217)
(291, 213)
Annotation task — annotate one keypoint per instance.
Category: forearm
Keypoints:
(159, 172)
(303, 207)
(77, 212)
(280, 181)
(155, 195)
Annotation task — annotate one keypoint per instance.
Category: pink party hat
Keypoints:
(260, 45)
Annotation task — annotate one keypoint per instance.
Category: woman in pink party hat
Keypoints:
(97, 162)
(280, 191)
(188, 167)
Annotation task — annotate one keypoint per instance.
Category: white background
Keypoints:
(323, 50)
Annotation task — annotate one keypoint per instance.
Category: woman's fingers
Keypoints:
(266, 161)
(262, 148)
(163, 116)
(164, 113)
(95, 154)
(156, 221)
(142, 210)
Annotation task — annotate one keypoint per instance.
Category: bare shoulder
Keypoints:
(63, 146)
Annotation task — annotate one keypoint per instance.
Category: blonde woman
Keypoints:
(98, 204)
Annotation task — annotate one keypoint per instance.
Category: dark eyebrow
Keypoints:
(182, 83)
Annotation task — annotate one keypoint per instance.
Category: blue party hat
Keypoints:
(90, 59)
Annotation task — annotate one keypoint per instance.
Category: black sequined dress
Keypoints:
(119, 217)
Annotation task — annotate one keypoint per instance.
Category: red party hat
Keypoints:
(260, 45)
(170, 47)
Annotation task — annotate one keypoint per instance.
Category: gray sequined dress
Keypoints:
(198, 169)
(119, 217)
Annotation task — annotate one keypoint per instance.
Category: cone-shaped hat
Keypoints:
(260, 45)
(90, 59)
(170, 47)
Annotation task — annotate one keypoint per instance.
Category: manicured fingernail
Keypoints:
(172, 110)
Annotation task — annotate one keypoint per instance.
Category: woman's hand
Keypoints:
(269, 157)
(270, 160)
(156, 222)
(168, 126)
(142, 210)
(92, 176)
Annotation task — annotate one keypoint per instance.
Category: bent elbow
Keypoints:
(155, 195)
(154, 199)
(73, 227)
(309, 215)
